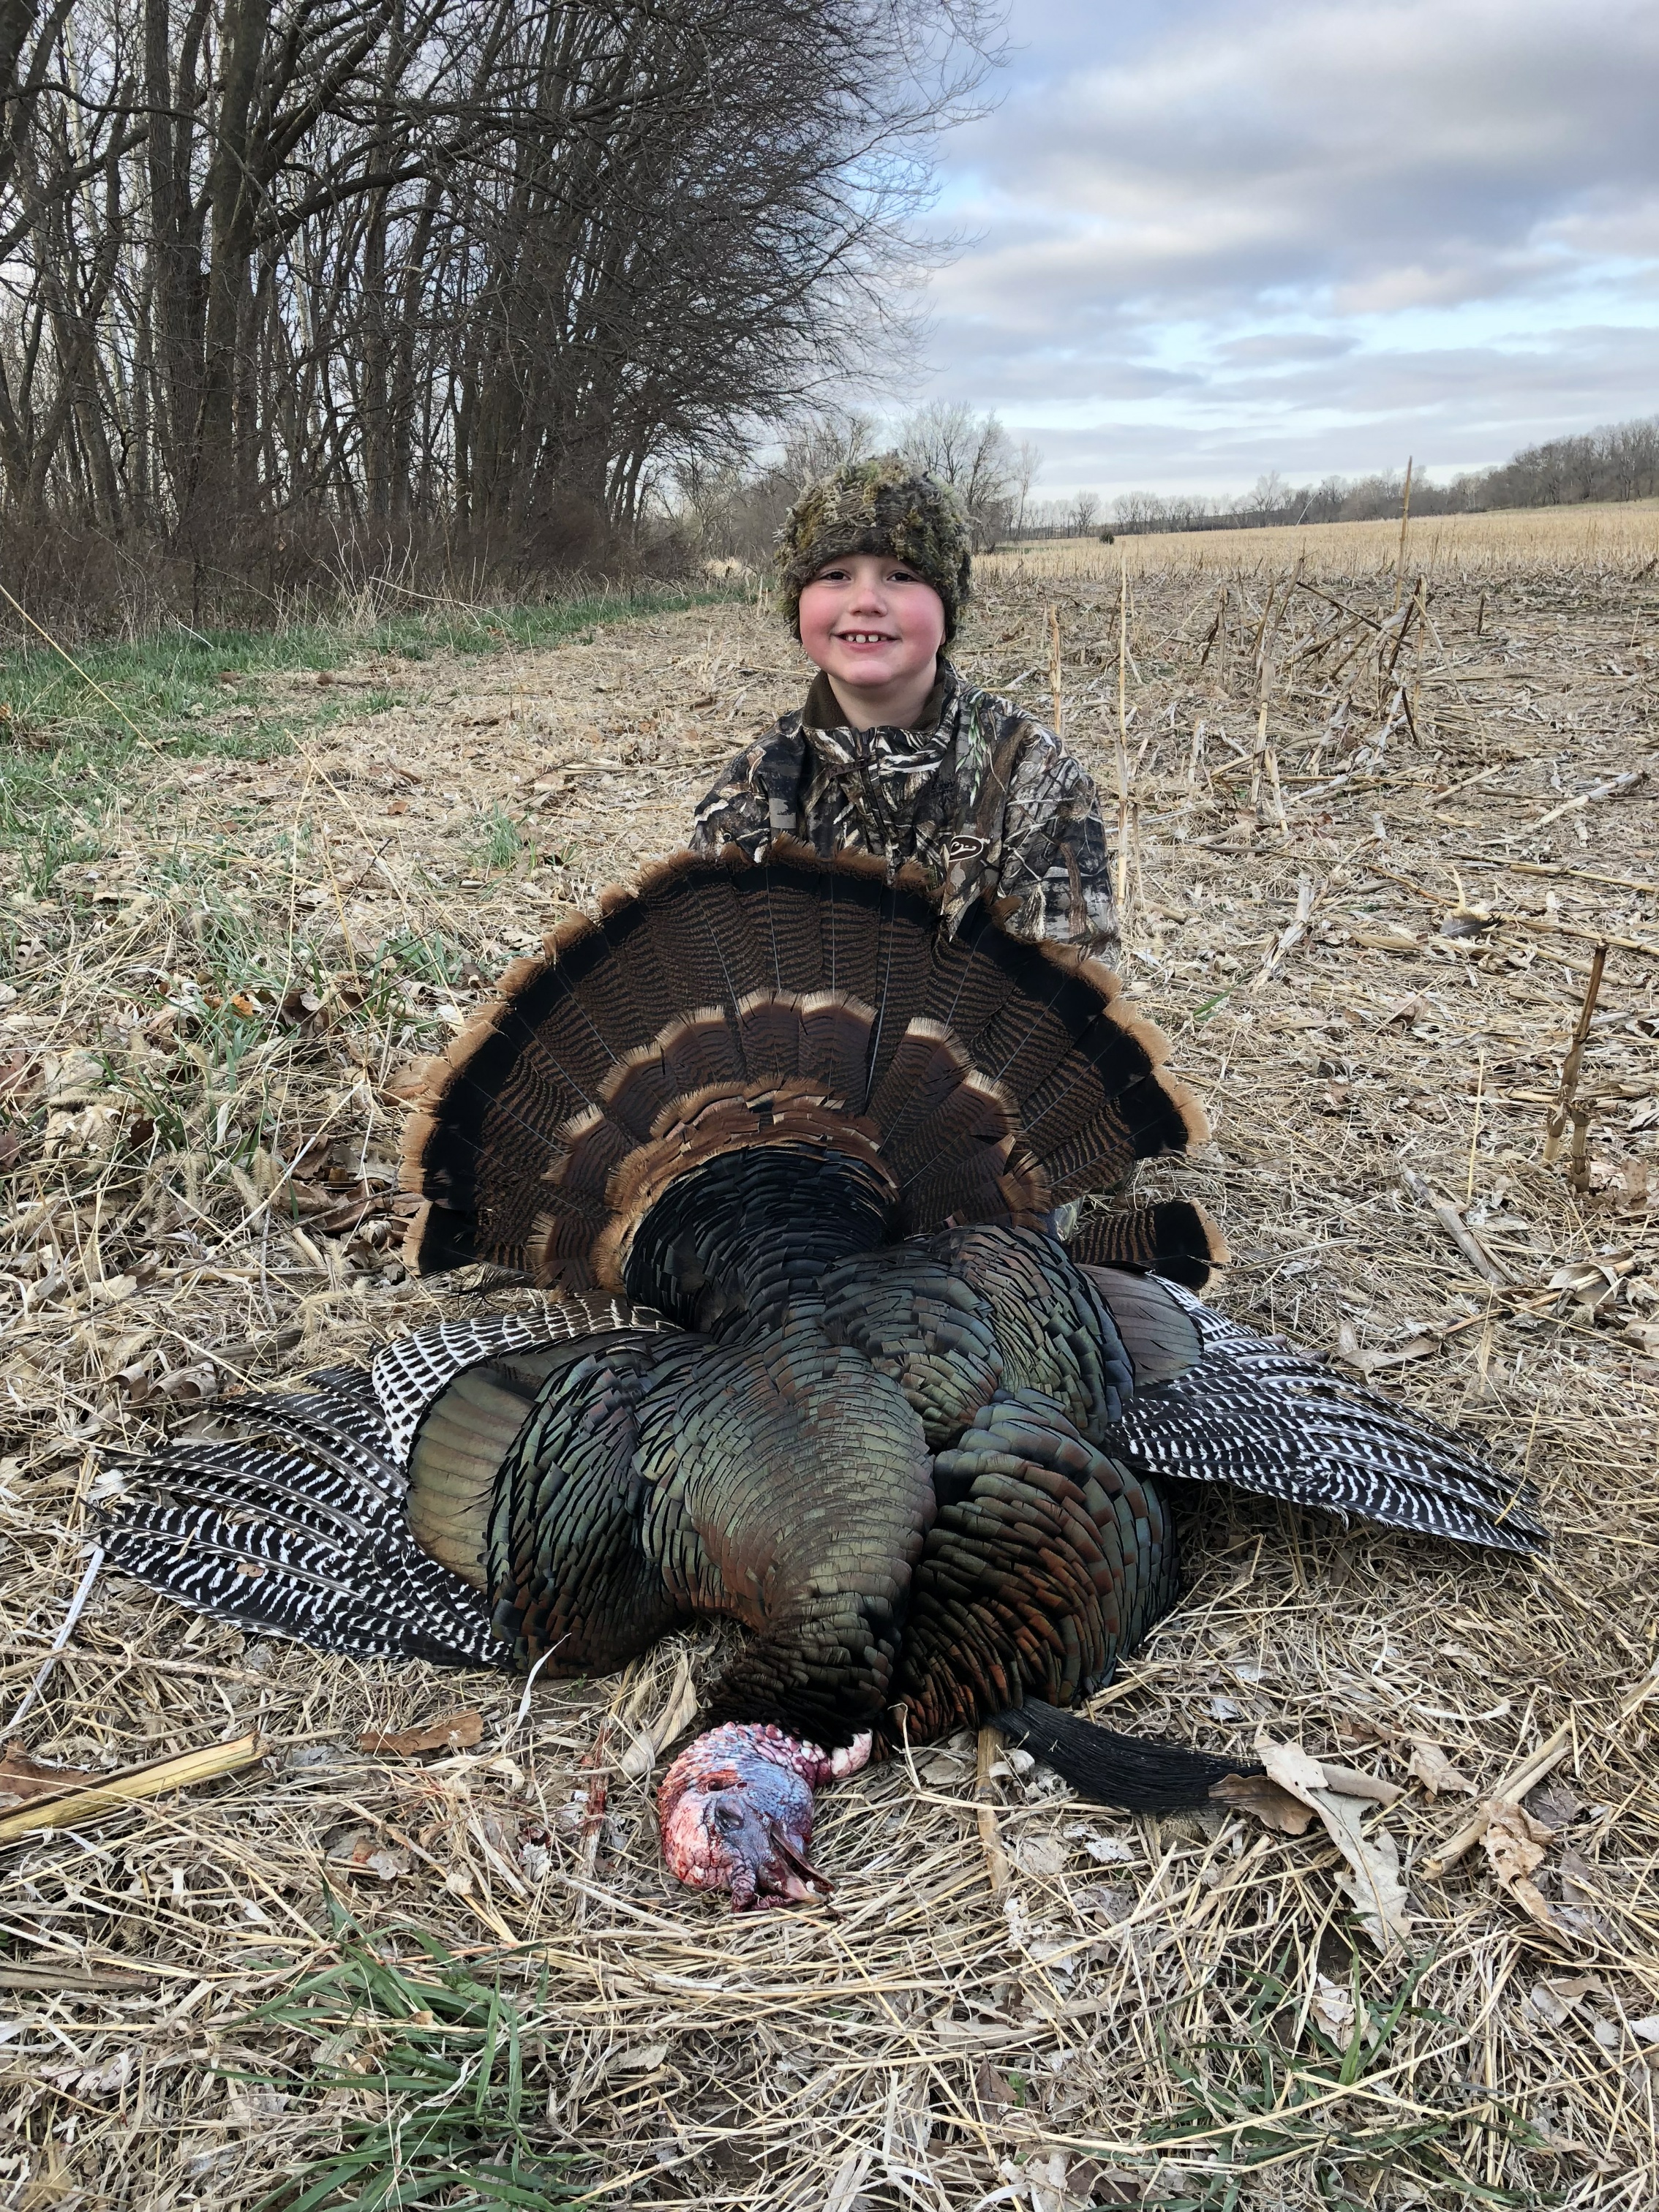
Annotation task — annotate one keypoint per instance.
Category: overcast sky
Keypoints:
(1212, 237)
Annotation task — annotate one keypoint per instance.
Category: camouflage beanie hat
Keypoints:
(880, 506)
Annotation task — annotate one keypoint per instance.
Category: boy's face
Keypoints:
(870, 623)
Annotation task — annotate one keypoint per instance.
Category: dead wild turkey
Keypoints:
(787, 1155)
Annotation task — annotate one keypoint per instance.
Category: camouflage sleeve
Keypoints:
(734, 811)
(754, 798)
(1055, 862)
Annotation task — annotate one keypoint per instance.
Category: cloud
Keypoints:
(1257, 228)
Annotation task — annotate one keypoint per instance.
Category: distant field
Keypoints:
(1613, 535)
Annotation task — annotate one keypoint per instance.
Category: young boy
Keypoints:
(894, 752)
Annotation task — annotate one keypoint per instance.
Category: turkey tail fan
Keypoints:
(297, 1529)
(1254, 1412)
(725, 1005)
(1174, 1238)
(1137, 1774)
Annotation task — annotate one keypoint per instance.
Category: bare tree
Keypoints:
(1085, 507)
(1027, 467)
(487, 270)
(971, 452)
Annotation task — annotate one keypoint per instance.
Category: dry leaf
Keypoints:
(1514, 1844)
(640, 2059)
(1090, 2183)
(361, 1851)
(1372, 1883)
(253, 2105)
(991, 2084)
(1105, 1851)
(460, 1732)
(1555, 1998)
(1332, 2007)
(1590, 1282)
(1584, 1887)
(1431, 1767)
(1372, 1362)
(1106, 1900)
(1275, 1808)
(1555, 1805)
(22, 1779)
(1041, 1855)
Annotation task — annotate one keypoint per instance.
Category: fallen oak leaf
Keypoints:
(1430, 1765)
(1273, 1806)
(1514, 1844)
(456, 1732)
(1276, 1808)
(1372, 1883)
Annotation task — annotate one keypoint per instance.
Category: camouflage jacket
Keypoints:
(981, 795)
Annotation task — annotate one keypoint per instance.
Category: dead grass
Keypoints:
(218, 968)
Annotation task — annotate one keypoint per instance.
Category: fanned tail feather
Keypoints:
(724, 1006)
(1174, 1238)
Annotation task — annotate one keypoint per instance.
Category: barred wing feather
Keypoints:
(1256, 1412)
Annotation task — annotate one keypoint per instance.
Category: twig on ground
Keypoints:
(1555, 1127)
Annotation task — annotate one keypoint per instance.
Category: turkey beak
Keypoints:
(804, 1884)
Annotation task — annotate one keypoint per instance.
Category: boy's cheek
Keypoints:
(816, 624)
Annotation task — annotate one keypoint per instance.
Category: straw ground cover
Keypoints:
(1372, 839)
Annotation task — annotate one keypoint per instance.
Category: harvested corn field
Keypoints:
(1372, 837)
(1499, 542)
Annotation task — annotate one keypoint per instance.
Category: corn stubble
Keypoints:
(1366, 916)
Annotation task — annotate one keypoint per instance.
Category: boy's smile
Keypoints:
(875, 629)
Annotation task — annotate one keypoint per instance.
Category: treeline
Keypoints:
(1617, 463)
(298, 287)
(1620, 462)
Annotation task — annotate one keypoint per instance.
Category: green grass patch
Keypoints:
(500, 843)
(69, 737)
(63, 724)
(1273, 2094)
(167, 681)
(439, 2072)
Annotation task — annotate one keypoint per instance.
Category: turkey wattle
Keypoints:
(787, 1157)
